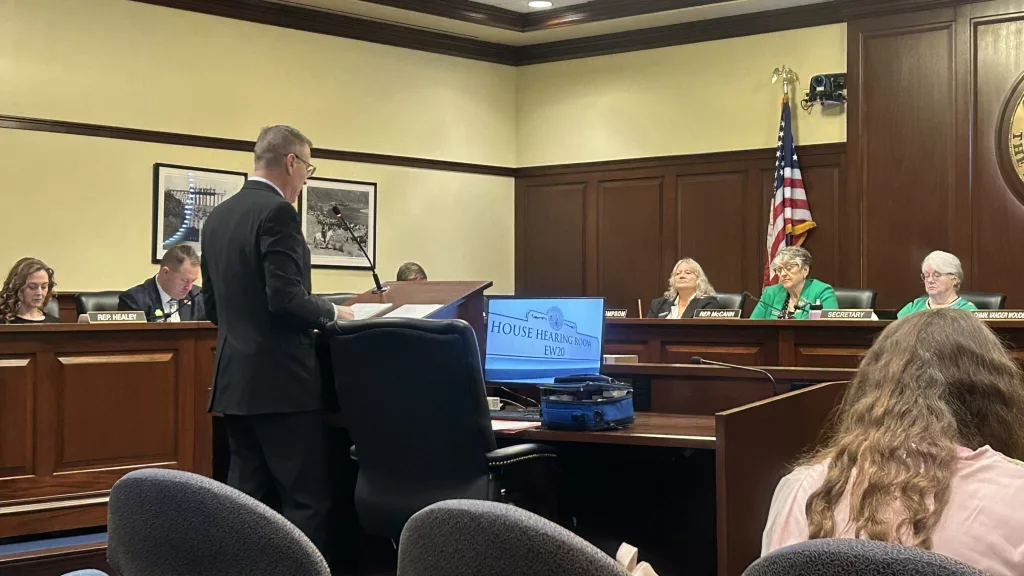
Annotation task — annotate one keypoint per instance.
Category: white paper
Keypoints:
(363, 311)
(413, 311)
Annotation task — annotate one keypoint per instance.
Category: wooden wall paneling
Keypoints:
(995, 54)
(903, 145)
(712, 226)
(17, 399)
(552, 246)
(629, 236)
(822, 184)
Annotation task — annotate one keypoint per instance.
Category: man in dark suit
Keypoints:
(171, 295)
(256, 287)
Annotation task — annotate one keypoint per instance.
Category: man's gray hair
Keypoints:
(792, 255)
(276, 142)
(945, 263)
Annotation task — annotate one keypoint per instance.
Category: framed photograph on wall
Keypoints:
(330, 245)
(183, 197)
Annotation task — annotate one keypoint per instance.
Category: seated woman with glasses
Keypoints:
(942, 275)
(688, 291)
(26, 292)
(793, 296)
(922, 451)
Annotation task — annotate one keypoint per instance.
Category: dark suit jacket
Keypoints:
(256, 284)
(662, 307)
(146, 297)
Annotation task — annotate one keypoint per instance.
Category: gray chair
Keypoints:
(732, 301)
(105, 301)
(174, 522)
(849, 557)
(985, 300)
(855, 298)
(473, 537)
(338, 298)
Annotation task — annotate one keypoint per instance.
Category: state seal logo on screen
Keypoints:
(555, 318)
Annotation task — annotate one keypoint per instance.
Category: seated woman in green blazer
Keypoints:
(793, 296)
(942, 275)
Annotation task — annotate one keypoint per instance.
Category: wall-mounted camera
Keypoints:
(828, 89)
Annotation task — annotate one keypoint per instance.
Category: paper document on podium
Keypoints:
(413, 311)
(364, 310)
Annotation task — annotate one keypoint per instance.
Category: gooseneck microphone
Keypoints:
(781, 314)
(373, 270)
(186, 301)
(699, 360)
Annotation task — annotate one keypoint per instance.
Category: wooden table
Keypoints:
(754, 446)
(82, 405)
(790, 343)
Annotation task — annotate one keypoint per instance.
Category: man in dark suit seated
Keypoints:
(171, 295)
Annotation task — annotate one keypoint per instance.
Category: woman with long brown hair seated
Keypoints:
(923, 454)
(26, 292)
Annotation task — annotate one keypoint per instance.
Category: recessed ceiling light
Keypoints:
(540, 4)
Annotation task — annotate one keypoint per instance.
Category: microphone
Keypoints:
(699, 360)
(373, 270)
(782, 314)
(186, 301)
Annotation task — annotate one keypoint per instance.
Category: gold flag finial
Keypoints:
(787, 76)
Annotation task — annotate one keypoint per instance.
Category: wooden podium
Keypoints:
(462, 300)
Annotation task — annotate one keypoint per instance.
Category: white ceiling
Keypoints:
(521, 5)
(512, 38)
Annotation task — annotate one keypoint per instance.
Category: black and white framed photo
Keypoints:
(183, 197)
(330, 245)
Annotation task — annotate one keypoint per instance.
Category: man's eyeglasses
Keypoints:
(310, 169)
(934, 276)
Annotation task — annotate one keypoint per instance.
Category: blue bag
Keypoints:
(586, 402)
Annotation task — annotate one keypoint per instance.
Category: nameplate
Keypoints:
(111, 317)
(616, 313)
(727, 313)
(998, 314)
(846, 314)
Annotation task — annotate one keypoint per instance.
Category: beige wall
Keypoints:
(708, 97)
(123, 63)
(88, 212)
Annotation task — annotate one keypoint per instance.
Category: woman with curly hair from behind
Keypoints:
(26, 292)
(924, 450)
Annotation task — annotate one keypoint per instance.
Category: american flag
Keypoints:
(790, 215)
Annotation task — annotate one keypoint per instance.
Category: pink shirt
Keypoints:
(983, 525)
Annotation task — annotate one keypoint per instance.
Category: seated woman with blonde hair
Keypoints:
(26, 292)
(688, 291)
(923, 454)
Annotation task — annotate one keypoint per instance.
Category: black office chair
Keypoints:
(985, 300)
(731, 301)
(856, 298)
(846, 556)
(412, 394)
(53, 307)
(339, 298)
(106, 301)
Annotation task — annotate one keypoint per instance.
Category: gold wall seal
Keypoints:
(1015, 137)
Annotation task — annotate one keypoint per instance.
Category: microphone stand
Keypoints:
(379, 288)
(699, 360)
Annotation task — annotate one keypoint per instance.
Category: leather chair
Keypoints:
(53, 307)
(339, 298)
(844, 556)
(985, 300)
(413, 398)
(856, 298)
(173, 522)
(467, 537)
(106, 301)
(732, 301)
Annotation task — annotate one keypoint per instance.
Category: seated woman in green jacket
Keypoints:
(942, 275)
(793, 296)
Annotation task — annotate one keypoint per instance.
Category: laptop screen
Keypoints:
(533, 340)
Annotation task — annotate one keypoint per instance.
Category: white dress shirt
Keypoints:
(167, 304)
